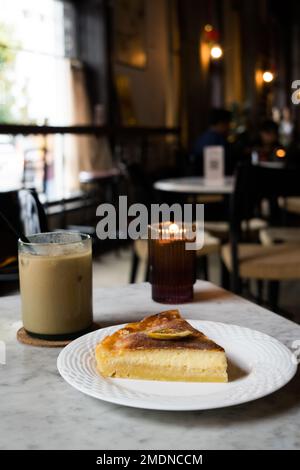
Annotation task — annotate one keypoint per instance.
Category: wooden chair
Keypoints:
(24, 211)
(290, 204)
(275, 262)
(275, 235)
(221, 229)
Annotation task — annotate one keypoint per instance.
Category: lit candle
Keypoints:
(172, 266)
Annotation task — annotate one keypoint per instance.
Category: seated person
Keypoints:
(216, 134)
(268, 142)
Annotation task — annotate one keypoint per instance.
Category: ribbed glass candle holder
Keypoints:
(172, 266)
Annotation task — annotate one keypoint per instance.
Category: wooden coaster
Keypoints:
(24, 338)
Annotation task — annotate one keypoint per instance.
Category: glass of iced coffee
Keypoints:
(56, 284)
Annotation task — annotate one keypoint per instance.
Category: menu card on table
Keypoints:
(213, 164)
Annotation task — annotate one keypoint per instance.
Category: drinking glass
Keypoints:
(56, 284)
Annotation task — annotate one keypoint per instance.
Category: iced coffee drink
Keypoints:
(56, 284)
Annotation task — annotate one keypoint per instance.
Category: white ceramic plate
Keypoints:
(258, 365)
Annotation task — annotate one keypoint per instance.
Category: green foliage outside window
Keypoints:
(10, 111)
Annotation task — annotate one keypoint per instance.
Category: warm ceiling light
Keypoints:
(280, 153)
(208, 28)
(216, 52)
(268, 76)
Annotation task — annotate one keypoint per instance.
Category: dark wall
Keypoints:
(269, 34)
(93, 42)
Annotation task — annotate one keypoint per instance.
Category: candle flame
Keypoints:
(173, 228)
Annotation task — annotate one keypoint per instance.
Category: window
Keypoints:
(37, 43)
(35, 48)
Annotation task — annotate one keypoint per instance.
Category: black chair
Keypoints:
(24, 211)
(273, 263)
(140, 190)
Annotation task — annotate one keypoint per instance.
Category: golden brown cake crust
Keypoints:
(135, 335)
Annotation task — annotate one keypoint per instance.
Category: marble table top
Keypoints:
(39, 410)
(195, 185)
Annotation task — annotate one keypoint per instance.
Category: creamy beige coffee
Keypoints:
(56, 288)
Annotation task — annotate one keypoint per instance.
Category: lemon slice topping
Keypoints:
(168, 333)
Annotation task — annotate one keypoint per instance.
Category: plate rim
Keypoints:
(129, 402)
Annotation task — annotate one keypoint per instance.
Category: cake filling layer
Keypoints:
(165, 365)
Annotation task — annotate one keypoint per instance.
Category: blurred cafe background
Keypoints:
(162, 101)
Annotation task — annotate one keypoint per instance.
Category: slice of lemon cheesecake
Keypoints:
(161, 347)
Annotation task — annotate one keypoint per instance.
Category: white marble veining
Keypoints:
(41, 411)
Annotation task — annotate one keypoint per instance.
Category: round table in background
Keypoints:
(195, 185)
